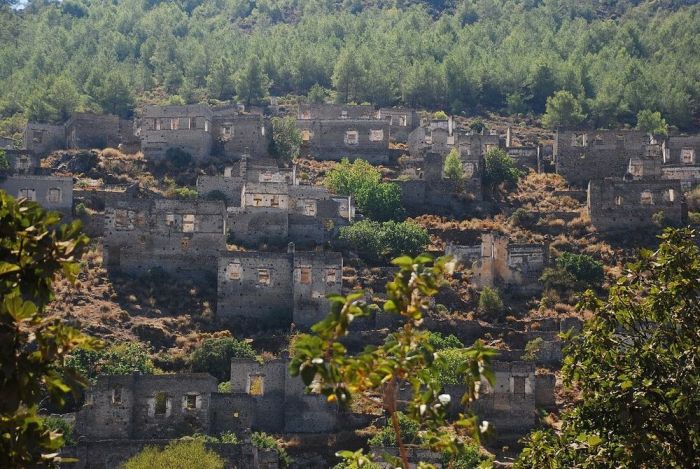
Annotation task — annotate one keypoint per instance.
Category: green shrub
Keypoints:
(582, 267)
(286, 138)
(179, 454)
(377, 200)
(62, 426)
(448, 365)
(499, 168)
(384, 241)
(185, 193)
(441, 342)
(386, 437)
(490, 303)
(214, 356)
(225, 386)
(80, 209)
(694, 218)
(440, 116)
(452, 168)
(122, 358)
(532, 348)
(470, 458)
(262, 440)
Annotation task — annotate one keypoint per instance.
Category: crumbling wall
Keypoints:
(402, 121)
(616, 204)
(181, 237)
(90, 130)
(316, 275)
(42, 139)
(188, 128)
(345, 138)
(583, 156)
(241, 134)
(257, 225)
(323, 111)
(51, 192)
(255, 285)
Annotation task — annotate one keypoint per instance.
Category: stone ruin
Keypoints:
(497, 262)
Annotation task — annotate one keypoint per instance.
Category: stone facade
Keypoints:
(142, 232)
(51, 192)
(681, 160)
(90, 130)
(516, 268)
(187, 128)
(616, 204)
(277, 287)
(402, 121)
(22, 161)
(42, 139)
(324, 111)
(584, 156)
(345, 138)
(237, 134)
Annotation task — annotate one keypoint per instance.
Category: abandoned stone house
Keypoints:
(441, 136)
(680, 160)
(497, 262)
(584, 156)
(266, 203)
(22, 161)
(278, 288)
(617, 204)
(525, 157)
(345, 138)
(81, 130)
(202, 131)
(426, 189)
(143, 232)
(263, 397)
(51, 192)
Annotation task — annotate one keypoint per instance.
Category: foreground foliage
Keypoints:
(405, 357)
(182, 454)
(34, 251)
(637, 366)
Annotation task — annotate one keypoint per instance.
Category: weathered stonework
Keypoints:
(619, 204)
(345, 138)
(51, 192)
(277, 287)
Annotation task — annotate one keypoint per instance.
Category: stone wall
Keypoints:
(188, 128)
(617, 204)
(345, 138)
(51, 192)
(278, 288)
(312, 111)
(146, 406)
(90, 130)
(402, 121)
(22, 161)
(583, 156)
(44, 138)
(241, 134)
(181, 237)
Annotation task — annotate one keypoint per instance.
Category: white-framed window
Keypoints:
(233, 270)
(116, 395)
(156, 124)
(618, 200)
(29, 194)
(175, 124)
(646, 198)
(227, 130)
(670, 195)
(579, 140)
(262, 130)
(54, 196)
(305, 274)
(169, 219)
(306, 135)
(206, 126)
(191, 401)
(403, 121)
(257, 200)
(688, 155)
(343, 114)
(376, 135)
(331, 275)
(275, 201)
(263, 277)
(23, 163)
(188, 223)
(306, 115)
(352, 137)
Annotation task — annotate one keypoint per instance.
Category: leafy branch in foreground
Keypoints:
(34, 251)
(406, 357)
(636, 366)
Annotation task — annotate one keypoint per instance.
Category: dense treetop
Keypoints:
(615, 57)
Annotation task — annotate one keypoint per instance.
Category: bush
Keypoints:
(470, 458)
(452, 168)
(286, 138)
(80, 209)
(185, 193)
(178, 158)
(377, 200)
(386, 437)
(523, 218)
(262, 440)
(499, 168)
(490, 303)
(659, 219)
(225, 386)
(694, 218)
(440, 116)
(448, 365)
(582, 267)
(62, 426)
(182, 454)
(532, 348)
(214, 356)
(376, 241)
(441, 342)
(118, 359)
